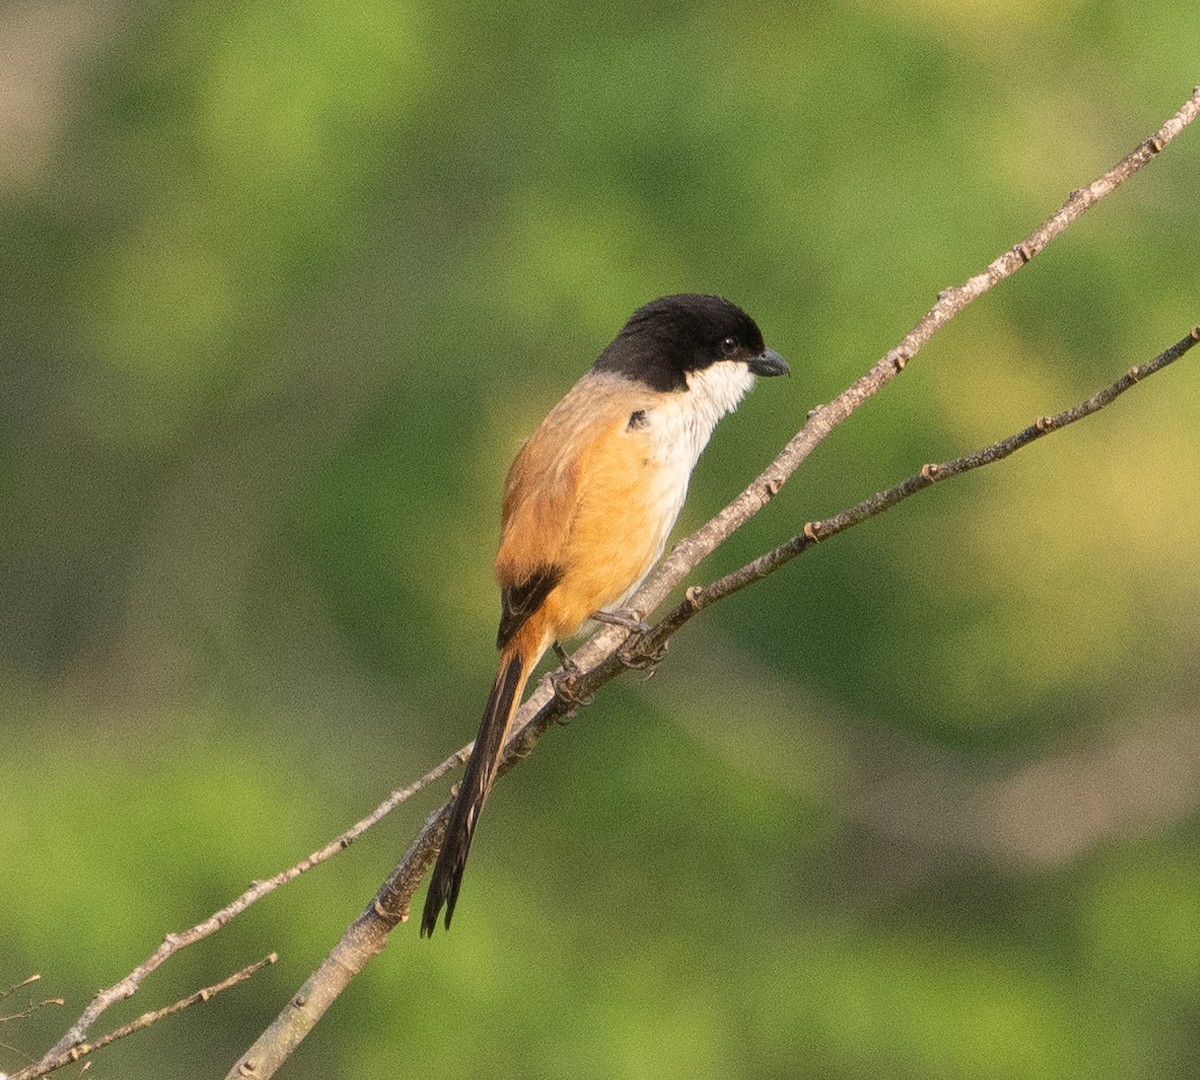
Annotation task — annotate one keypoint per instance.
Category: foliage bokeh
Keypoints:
(285, 284)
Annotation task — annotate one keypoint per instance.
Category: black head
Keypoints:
(668, 338)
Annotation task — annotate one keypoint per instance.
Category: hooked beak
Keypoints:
(769, 363)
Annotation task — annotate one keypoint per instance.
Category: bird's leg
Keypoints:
(564, 681)
(568, 665)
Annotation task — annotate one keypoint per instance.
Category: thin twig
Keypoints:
(698, 598)
(600, 659)
(30, 1009)
(35, 977)
(32, 1006)
(144, 1021)
(172, 943)
(822, 420)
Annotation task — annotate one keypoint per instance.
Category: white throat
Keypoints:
(681, 425)
(712, 392)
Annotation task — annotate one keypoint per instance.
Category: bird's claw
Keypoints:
(564, 681)
(637, 657)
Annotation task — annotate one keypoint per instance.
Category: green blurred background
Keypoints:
(283, 285)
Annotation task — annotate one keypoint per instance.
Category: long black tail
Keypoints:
(447, 875)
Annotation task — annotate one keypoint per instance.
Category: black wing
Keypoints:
(518, 602)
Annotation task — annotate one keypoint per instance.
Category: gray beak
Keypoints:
(769, 363)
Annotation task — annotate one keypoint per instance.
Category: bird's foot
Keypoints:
(635, 655)
(630, 619)
(565, 678)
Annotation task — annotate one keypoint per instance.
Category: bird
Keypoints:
(588, 504)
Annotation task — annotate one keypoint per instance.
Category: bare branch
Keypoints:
(822, 420)
(697, 598)
(30, 1009)
(35, 977)
(32, 1006)
(601, 658)
(144, 1021)
(172, 943)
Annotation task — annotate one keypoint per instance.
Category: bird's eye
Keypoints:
(729, 346)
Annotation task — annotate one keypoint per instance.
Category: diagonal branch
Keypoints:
(601, 658)
(600, 654)
(697, 598)
(172, 943)
(49, 1064)
(823, 419)
(368, 934)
